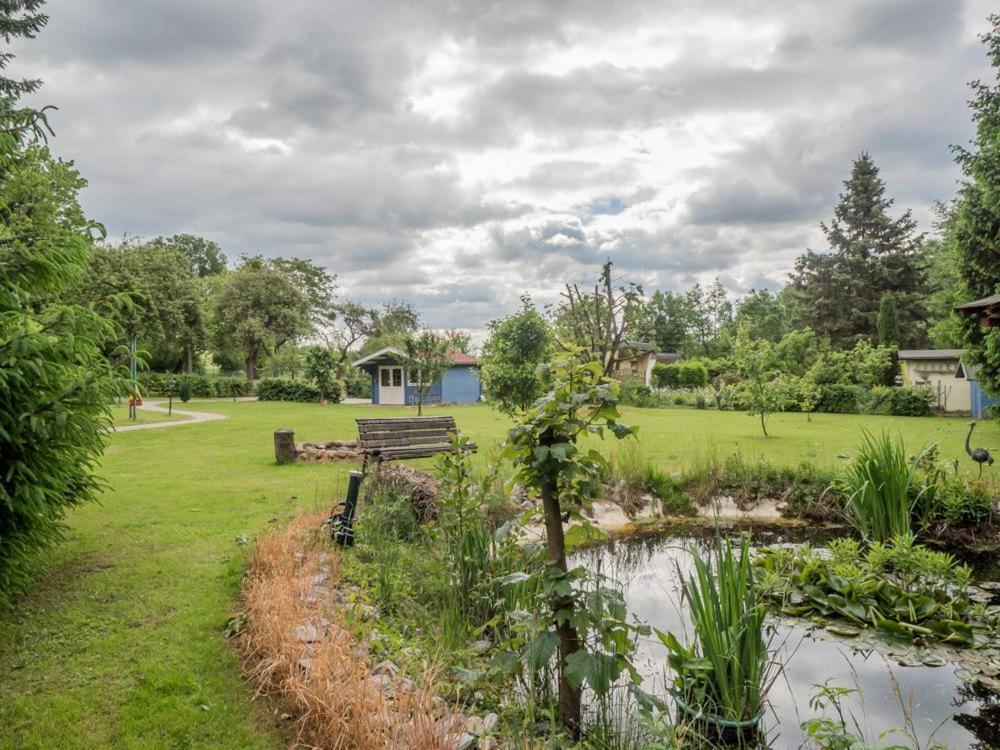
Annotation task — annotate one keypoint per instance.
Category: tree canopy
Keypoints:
(871, 254)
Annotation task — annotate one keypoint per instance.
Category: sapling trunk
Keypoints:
(569, 639)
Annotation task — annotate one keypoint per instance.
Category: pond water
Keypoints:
(956, 713)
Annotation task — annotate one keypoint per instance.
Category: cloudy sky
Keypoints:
(460, 153)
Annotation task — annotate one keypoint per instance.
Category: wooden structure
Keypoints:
(406, 437)
(986, 309)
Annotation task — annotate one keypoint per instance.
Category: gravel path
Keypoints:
(154, 406)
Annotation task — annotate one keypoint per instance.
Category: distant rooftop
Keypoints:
(930, 353)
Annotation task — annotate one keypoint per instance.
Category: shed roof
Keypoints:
(987, 308)
(910, 354)
(392, 353)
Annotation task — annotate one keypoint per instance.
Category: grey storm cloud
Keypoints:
(459, 154)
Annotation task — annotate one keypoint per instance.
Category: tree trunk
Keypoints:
(762, 425)
(189, 360)
(569, 639)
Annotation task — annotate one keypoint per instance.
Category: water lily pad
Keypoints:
(929, 659)
(843, 629)
(965, 675)
(990, 682)
(910, 660)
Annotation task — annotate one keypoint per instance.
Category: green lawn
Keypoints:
(121, 417)
(120, 645)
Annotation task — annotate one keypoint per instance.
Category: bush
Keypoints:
(838, 398)
(198, 386)
(681, 375)
(634, 393)
(184, 391)
(910, 401)
(284, 389)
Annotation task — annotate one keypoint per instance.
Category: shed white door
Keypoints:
(390, 385)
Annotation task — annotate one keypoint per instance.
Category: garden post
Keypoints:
(284, 446)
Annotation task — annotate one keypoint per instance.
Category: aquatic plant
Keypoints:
(878, 484)
(901, 588)
(726, 671)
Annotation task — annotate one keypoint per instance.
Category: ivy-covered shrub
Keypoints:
(285, 389)
(838, 398)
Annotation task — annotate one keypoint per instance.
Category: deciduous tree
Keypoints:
(517, 345)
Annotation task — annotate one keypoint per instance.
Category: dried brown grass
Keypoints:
(327, 686)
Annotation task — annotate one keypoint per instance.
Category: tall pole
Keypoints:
(132, 411)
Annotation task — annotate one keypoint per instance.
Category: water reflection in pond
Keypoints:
(955, 713)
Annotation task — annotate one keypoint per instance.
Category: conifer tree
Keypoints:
(888, 321)
(838, 293)
(975, 228)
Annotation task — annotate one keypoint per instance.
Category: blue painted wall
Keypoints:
(461, 386)
(980, 400)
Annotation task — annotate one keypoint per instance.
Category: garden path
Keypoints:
(154, 406)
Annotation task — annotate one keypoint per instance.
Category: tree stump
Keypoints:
(284, 446)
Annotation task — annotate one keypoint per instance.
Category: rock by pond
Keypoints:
(959, 713)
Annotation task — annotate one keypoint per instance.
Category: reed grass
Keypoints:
(727, 671)
(879, 484)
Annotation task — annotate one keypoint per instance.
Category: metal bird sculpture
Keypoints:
(979, 455)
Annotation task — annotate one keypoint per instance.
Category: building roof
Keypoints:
(910, 354)
(966, 371)
(987, 308)
(667, 356)
(392, 353)
(642, 346)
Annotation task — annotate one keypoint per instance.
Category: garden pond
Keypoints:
(956, 713)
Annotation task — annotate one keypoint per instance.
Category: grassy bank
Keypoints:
(120, 644)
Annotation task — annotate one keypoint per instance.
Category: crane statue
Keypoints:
(979, 455)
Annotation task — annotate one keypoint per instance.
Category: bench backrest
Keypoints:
(410, 437)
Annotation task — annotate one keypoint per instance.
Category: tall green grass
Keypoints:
(727, 671)
(879, 484)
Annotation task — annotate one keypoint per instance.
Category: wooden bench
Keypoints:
(406, 437)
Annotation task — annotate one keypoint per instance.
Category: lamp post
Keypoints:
(171, 385)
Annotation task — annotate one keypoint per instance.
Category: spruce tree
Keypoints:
(19, 19)
(838, 293)
(976, 226)
(888, 322)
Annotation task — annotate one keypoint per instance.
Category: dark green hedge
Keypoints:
(680, 375)
(202, 386)
(285, 389)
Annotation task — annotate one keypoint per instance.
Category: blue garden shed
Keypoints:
(980, 400)
(391, 383)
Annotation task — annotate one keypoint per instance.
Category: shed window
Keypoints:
(385, 378)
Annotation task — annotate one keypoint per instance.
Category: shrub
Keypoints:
(634, 393)
(691, 374)
(838, 398)
(184, 391)
(198, 386)
(910, 401)
(283, 389)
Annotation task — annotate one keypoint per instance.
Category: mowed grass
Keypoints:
(121, 418)
(120, 644)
